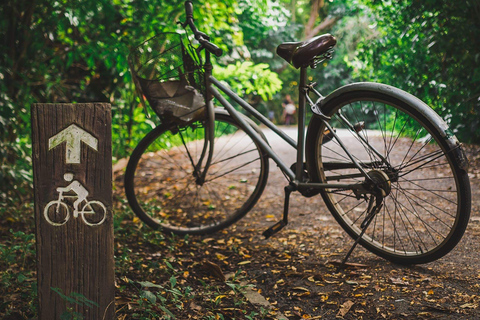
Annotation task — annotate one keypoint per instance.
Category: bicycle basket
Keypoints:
(168, 74)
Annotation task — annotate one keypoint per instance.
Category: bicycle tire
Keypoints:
(65, 219)
(427, 209)
(95, 220)
(163, 192)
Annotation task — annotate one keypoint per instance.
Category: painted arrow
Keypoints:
(73, 136)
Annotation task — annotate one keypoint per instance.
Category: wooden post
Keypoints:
(72, 167)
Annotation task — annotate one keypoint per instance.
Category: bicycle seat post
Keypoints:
(302, 91)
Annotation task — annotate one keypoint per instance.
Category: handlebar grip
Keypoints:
(212, 48)
(189, 9)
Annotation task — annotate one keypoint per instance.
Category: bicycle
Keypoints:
(387, 166)
(57, 212)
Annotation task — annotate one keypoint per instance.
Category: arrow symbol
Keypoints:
(73, 136)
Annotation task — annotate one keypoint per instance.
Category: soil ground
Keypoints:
(297, 272)
(237, 274)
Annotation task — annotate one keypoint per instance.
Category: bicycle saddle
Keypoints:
(301, 54)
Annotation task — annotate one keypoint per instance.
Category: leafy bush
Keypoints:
(432, 50)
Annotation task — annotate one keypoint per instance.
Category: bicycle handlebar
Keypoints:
(189, 9)
(200, 36)
(211, 47)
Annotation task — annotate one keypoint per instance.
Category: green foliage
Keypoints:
(17, 265)
(432, 50)
(67, 51)
(64, 51)
(264, 24)
(353, 29)
(247, 78)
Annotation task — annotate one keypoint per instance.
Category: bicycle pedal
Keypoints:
(274, 229)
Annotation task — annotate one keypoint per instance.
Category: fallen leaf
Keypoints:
(220, 256)
(344, 308)
(300, 288)
(213, 270)
(399, 282)
(347, 264)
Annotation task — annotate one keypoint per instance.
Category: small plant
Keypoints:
(252, 315)
(74, 298)
(157, 299)
(22, 246)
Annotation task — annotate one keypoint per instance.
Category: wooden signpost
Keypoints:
(72, 163)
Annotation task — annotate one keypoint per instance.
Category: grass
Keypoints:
(18, 283)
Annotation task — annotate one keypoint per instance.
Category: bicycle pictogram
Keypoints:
(57, 212)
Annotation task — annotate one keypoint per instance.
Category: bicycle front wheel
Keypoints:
(427, 203)
(162, 181)
(94, 213)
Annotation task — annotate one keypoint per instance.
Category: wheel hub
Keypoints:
(381, 180)
(392, 174)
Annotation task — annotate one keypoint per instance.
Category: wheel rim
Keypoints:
(169, 194)
(421, 212)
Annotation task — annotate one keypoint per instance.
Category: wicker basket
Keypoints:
(167, 73)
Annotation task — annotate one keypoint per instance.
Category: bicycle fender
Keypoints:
(440, 125)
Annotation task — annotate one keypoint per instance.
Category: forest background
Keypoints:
(76, 51)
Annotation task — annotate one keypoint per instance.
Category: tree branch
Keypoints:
(325, 24)
(316, 6)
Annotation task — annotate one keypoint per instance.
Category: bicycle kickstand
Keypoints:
(282, 223)
(373, 210)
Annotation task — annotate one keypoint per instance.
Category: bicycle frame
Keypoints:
(296, 178)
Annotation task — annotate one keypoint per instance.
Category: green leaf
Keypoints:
(148, 284)
(150, 296)
(173, 281)
(21, 278)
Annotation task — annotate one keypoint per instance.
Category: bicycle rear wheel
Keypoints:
(427, 207)
(94, 213)
(163, 188)
(56, 213)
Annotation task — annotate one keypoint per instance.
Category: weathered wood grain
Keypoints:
(74, 257)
